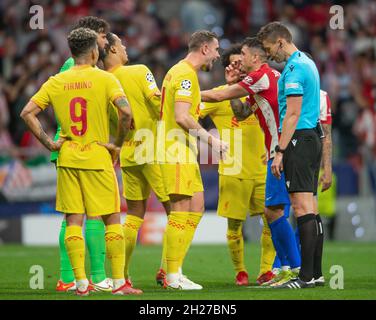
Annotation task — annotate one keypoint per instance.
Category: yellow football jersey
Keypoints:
(142, 93)
(180, 84)
(81, 100)
(246, 135)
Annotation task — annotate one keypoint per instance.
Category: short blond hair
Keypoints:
(200, 37)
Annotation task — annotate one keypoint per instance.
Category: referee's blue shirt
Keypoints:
(300, 77)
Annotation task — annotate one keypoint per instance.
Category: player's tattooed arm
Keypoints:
(125, 119)
(326, 161)
(29, 115)
(241, 110)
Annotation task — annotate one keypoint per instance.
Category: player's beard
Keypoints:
(126, 60)
(207, 67)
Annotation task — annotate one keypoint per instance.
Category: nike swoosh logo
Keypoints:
(67, 286)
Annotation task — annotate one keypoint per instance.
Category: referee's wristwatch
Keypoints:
(278, 149)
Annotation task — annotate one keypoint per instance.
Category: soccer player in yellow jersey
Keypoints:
(140, 171)
(86, 181)
(177, 151)
(94, 227)
(242, 182)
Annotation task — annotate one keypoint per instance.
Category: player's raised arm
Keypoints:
(231, 92)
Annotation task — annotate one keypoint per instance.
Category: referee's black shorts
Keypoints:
(301, 161)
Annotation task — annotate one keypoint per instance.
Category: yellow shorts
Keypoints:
(238, 196)
(94, 192)
(182, 178)
(139, 180)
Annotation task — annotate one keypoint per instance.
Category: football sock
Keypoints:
(66, 272)
(284, 240)
(280, 257)
(235, 243)
(297, 238)
(308, 235)
(131, 226)
(94, 236)
(82, 283)
(118, 283)
(317, 272)
(75, 244)
(286, 211)
(175, 235)
(277, 262)
(115, 248)
(193, 220)
(164, 248)
(267, 248)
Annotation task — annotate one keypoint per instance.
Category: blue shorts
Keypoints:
(275, 191)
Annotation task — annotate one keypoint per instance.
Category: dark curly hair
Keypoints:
(233, 49)
(81, 41)
(94, 23)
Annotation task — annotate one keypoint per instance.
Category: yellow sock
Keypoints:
(175, 234)
(193, 220)
(267, 248)
(115, 249)
(235, 243)
(75, 244)
(164, 249)
(131, 226)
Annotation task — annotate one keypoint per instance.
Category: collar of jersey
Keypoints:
(190, 64)
(262, 66)
(82, 66)
(112, 70)
(293, 56)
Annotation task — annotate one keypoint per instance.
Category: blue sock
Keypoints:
(284, 237)
(286, 211)
(277, 262)
(297, 238)
(280, 257)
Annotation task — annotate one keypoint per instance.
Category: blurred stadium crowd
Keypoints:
(156, 33)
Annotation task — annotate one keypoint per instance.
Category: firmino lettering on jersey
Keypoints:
(77, 85)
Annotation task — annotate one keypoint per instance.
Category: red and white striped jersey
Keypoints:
(325, 109)
(263, 99)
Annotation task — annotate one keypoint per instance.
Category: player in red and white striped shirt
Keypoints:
(260, 85)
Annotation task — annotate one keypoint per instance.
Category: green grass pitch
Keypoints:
(208, 265)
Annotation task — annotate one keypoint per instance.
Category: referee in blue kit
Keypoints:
(299, 151)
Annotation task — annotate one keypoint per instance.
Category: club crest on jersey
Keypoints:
(186, 84)
(150, 77)
(294, 141)
(248, 80)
